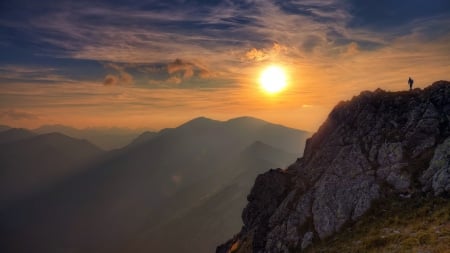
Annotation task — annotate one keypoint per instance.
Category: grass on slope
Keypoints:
(419, 224)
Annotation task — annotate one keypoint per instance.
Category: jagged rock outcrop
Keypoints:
(371, 147)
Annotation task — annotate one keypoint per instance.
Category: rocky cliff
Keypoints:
(376, 145)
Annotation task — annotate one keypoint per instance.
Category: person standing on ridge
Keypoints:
(410, 82)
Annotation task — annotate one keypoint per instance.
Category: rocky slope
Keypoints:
(377, 145)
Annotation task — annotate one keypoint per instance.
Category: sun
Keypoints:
(273, 79)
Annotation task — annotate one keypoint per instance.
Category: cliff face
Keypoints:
(376, 145)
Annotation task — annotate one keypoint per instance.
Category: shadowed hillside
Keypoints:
(105, 138)
(30, 163)
(14, 134)
(145, 186)
(196, 230)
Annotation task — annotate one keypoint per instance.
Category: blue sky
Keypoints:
(141, 61)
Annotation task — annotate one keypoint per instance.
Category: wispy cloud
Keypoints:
(14, 73)
(218, 35)
(153, 52)
(13, 114)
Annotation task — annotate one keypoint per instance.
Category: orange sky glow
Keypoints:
(137, 85)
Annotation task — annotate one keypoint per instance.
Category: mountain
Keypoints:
(15, 134)
(3, 128)
(144, 137)
(378, 147)
(202, 227)
(141, 188)
(30, 162)
(105, 138)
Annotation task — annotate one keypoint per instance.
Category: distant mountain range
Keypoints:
(30, 162)
(3, 128)
(14, 134)
(196, 229)
(105, 138)
(186, 184)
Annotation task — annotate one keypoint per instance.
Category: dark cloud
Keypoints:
(14, 114)
(187, 69)
(110, 80)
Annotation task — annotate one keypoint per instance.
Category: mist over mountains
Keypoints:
(105, 138)
(182, 184)
(30, 163)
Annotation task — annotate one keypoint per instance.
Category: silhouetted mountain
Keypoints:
(378, 147)
(34, 162)
(105, 138)
(144, 137)
(143, 187)
(3, 128)
(197, 229)
(15, 134)
(268, 133)
(263, 151)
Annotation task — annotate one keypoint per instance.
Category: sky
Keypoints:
(156, 64)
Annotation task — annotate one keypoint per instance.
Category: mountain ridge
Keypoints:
(32, 162)
(14, 134)
(376, 145)
(105, 138)
(140, 188)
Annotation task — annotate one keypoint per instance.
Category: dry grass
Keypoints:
(419, 225)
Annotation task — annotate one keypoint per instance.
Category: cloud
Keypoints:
(352, 49)
(13, 114)
(311, 42)
(226, 37)
(82, 31)
(169, 82)
(265, 53)
(16, 73)
(179, 71)
(122, 77)
(179, 65)
(189, 69)
(161, 74)
(110, 80)
(255, 55)
(330, 50)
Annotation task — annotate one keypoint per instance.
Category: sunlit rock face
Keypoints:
(374, 146)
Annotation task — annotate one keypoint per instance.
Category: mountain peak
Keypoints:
(61, 140)
(376, 145)
(247, 119)
(198, 122)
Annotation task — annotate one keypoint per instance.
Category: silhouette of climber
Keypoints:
(410, 82)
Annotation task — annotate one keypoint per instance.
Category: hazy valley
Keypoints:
(187, 184)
